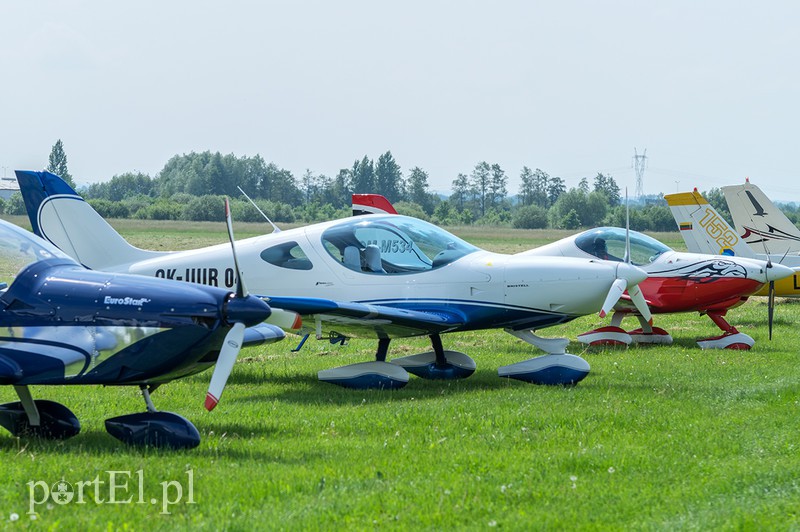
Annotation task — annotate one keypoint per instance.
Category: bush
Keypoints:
(408, 208)
(205, 209)
(530, 217)
(110, 209)
(161, 210)
(15, 204)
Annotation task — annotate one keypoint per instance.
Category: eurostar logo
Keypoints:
(125, 301)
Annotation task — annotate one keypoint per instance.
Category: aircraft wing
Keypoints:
(359, 320)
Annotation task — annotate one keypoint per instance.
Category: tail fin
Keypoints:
(58, 214)
(702, 227)
(760, 223)
(371, 204)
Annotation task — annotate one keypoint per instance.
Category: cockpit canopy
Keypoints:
(393, 244)
(19, 248)
(609, 243)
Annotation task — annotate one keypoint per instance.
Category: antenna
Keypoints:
(639, 164)
(274, 227)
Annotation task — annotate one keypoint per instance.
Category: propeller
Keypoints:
(628, 278)
(771, 292)
(233, 341)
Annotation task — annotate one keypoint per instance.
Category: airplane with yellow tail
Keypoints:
(704, 230)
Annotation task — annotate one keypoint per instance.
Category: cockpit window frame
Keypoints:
(427, 246)
(608, 243)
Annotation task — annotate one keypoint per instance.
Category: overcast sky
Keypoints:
(710, 89)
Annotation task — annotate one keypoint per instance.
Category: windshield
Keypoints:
(609, 243)
(20, 248)
(393, 244)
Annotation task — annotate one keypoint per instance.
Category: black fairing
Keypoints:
(154, 429)
(57, 422)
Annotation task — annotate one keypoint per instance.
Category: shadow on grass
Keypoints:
(100, 443)
(307, 390)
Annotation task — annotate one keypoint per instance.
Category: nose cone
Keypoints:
(632, 274)
(778, 271)
(249, 310)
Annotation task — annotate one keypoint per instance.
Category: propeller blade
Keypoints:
(627, 228)
(771, 306)
(641, 305)
(617, 289)
(227, 358)
(241, 290)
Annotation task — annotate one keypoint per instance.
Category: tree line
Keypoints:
(190, 187)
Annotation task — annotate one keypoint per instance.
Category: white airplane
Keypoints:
(705, 231)
(376, 276)
(760, 223)
(677, 282)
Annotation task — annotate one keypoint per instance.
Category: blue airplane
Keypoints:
(63, 324)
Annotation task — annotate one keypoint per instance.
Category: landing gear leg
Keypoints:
(731, 339)
(648, 334)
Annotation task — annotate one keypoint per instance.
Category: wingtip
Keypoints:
(602, 313)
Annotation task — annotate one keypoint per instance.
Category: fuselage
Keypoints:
(421, 267)
(63, 324)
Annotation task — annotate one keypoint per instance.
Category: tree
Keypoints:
(583, 185)
(555, 188)
(417, 189)
(57, 163)
(479, 182)
(129, 185)
(460, 191)
(541, 180)
(363, 176)
(526, 186)
(607, 185)
(388, 178)
(497, 186)
(309, 186)
(590, 208)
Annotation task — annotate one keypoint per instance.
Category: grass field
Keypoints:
(654, 438)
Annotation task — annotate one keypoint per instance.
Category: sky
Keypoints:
(709, 89)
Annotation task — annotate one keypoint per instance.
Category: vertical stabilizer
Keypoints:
(58, 214)
(703, 229)
(759, 222)
(371, 204)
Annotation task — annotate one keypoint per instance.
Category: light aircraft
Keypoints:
(704, 230)
(62, 324)
(676, 282)
(375, 276)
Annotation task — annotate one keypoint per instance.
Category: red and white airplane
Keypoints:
(676, 282)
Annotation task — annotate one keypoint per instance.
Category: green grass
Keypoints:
(654, 438)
